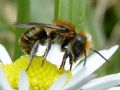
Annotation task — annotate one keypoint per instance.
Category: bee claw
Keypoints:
(27, 69)
(43, 62)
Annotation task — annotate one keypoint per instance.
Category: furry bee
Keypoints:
(63, 33)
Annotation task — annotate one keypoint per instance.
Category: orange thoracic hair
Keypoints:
(66, 24)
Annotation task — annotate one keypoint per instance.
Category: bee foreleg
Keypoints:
(64, 59)
(47, 50)
(71, 59)
(32, 53)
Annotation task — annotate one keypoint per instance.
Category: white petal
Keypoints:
(95, 61)
(4, 56)
(54, 56)
(103, 83)
(59, 84)
(81, 83)
(92, 64)
(23, 82)
(4, 85)
(41, 50)
(114, 88)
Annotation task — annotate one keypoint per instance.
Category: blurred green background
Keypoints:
(101, 18)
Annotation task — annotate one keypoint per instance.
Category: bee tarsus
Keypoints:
(64, 60)
(33, 53)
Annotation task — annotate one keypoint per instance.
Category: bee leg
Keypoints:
(32, 53)
(63, 48)
(71, 63)
(85, 58)
(71, 56)
(64, 59)
(47, 50)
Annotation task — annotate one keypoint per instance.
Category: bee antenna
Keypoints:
(100, 55)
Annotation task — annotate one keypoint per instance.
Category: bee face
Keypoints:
(78, 46)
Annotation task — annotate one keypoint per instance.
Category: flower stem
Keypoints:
(23, 15)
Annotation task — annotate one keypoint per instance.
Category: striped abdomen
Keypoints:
(29, 38)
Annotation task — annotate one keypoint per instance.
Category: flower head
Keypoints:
(49, 77)
(39, 76)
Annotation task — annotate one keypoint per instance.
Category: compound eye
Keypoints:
(80, 40)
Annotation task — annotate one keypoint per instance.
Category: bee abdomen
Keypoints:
(29, 38)
(26, 47)
(26, 44)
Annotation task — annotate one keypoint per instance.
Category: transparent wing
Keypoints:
(30, 25)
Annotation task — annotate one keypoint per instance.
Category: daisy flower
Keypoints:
(49, 77)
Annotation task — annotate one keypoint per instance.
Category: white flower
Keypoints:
(82, 78)
(23, 82)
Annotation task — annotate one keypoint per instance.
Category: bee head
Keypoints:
(81, 44)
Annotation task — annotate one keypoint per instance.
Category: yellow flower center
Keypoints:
(40, 77)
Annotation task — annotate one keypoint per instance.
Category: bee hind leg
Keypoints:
(32, 53)
(47, 50)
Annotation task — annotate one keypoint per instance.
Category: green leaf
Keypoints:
(72, 11)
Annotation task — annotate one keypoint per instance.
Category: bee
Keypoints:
(63, 33)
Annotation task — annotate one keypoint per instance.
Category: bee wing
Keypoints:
(30, 25)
